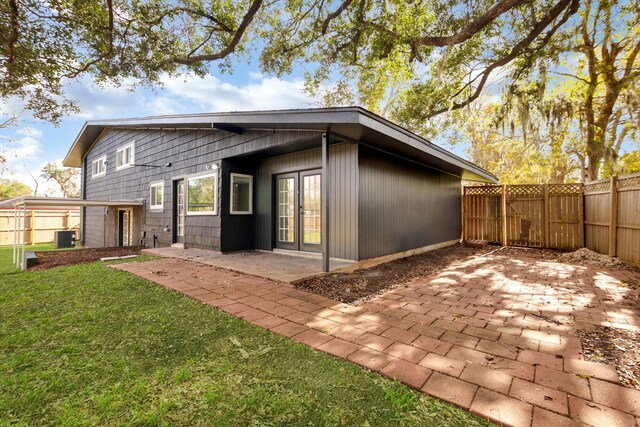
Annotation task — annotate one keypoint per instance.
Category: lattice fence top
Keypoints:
(487, 190)
(564, 188)
(595, 186)
(525, 190)
(629, 181)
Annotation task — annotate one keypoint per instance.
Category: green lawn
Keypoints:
(87, 345)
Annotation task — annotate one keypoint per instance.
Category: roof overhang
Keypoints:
(28, 202)
(354, 123)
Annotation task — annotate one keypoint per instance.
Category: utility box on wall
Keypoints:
(64, 239)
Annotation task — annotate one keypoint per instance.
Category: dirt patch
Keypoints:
(50, 259)
(366, 283)
(615, 347)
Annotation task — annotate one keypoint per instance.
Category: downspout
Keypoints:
(324, 200)
(83, 189)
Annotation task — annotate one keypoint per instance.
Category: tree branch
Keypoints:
(230, 48)
(569, 6)
(472, 28)
(13, 36)
(333, 15)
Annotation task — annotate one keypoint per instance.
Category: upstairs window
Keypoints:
(99, 167)
(241, 194)
(125, 156)
(156, 196)
(202, 194)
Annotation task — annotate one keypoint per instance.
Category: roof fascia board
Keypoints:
(61, 201)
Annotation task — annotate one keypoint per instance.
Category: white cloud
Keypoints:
(29, 131)
(24, 154)
(187, 94)
(212, 94)
(104, 102)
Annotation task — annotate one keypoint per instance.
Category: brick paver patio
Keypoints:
(492, 334)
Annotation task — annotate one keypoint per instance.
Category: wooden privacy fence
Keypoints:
(41, 224)
(612, 217)
(603, 216)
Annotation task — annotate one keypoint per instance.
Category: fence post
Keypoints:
(613, 216)
(504, 215)
(546, 215)
(464, 213)
(581, 215)
(31, 226)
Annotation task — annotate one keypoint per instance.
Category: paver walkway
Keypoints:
(492, 334)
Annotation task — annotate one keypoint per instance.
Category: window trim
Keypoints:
(132, 158)
(240, 175)
(104, 162)
(215, 201)
(153, 185)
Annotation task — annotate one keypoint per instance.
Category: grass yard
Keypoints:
(87, 345)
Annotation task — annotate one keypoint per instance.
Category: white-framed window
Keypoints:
(156, 195)
(241, 194)
(99, 167)
(202, 194)
(125, 156)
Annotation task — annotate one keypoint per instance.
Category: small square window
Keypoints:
(202, 195)
(125, 156)
(241, 194)
(157, 195)
(99, 167)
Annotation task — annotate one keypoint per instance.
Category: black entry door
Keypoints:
(178, 210)
(298, 211)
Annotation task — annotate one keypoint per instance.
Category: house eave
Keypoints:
(340, 119)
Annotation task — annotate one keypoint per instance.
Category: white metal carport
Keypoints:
(21, 205)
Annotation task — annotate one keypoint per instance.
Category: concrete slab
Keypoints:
(279, 266)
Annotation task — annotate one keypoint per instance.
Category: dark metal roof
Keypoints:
(353, 123)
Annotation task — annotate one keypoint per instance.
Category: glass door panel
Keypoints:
(311, 211)
(178, 211)
(287, 211)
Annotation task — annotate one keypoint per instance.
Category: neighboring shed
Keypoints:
(341, 181)
(41, 222)
(23, 206)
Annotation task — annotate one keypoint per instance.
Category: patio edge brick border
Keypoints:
(498, 350)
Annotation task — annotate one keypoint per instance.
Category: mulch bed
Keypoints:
(366, 283)
(615, 347)
(59, 258)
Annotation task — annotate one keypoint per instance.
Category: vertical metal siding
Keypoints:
(343, 201)
(404, 206)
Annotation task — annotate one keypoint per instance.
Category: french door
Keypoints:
(298, 211)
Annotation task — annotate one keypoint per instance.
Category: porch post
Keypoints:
(23, 265)
(325, 203)
(15, 236)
